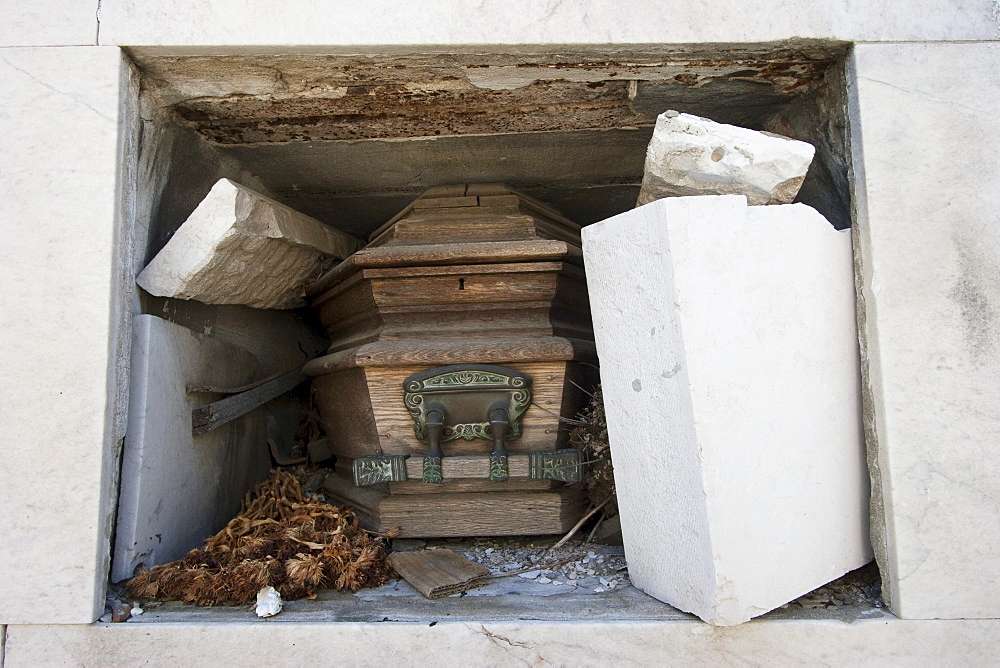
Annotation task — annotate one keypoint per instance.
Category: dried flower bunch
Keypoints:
(590, 436)
(281, 539)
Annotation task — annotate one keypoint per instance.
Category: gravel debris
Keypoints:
(576, 564)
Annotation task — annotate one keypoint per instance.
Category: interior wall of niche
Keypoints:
(352, 138)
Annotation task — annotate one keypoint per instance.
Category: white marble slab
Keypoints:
(58, 268)
(731, 380)
(461, 22)
(178, 489)
(927, 179)
(880, 641)
(49, 23)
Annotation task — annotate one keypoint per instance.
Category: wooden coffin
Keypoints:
(465, 275)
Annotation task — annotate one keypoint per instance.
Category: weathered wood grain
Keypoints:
(474, 252)
(437, 352)
(216, 414)
(541, 429)
(482, 514)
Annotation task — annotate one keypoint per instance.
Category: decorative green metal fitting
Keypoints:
(467, 391)
(467, 401)
(432, 469)
(498, 468)
(373, 469)
(563, 465)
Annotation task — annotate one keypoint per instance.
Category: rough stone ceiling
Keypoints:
(351, 138)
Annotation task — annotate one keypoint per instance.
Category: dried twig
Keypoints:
(579, 524)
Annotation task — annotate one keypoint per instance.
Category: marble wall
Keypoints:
(925, 133)
(924, 137)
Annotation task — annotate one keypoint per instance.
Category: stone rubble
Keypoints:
(577, 565)
(690, 155)
(239, 247)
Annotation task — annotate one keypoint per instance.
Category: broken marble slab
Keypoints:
(731, 379)
(239, 247)
(178, 489)
(690, 155)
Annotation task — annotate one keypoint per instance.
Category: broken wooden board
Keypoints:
(207, 418)
(439, 573)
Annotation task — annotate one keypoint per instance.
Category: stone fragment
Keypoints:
(690, 155)
(269, 602)
(239, 247)
(730, 369)
(178, 489)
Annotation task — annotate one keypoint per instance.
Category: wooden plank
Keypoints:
(209, 417)
(451, 190)
(472, 252)
(445, 202)
(469, 466)
(437, 352)
(439, 573)
(466, 485)
(487, 189)
(346, 412)
(462, 252)
(467, 269)
(486, 514)
(463, 229)
(462, 288)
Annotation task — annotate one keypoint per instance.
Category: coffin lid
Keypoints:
(464, 224)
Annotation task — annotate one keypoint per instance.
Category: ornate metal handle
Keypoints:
(467, 401)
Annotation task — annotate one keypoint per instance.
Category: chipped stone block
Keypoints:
(239, 247)
(690, 155)
(730, 369)
(178, 489)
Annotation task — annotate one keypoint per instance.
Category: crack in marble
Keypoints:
(498, 639)
(924, 94)
(56, 90)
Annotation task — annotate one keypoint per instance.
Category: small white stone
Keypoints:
(269, 602)
(136, 610)
(690, 155)
(489, 550)
(544, 581)
(531, 575)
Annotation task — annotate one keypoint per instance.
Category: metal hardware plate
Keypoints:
(467, 391)
(373, 469)
(563, 465)
(467, 401)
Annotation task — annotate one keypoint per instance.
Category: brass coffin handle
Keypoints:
(467, 401)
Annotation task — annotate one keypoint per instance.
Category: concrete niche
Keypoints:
(729, 360)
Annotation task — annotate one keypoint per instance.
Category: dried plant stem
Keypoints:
(579, 524)
(597, 525)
